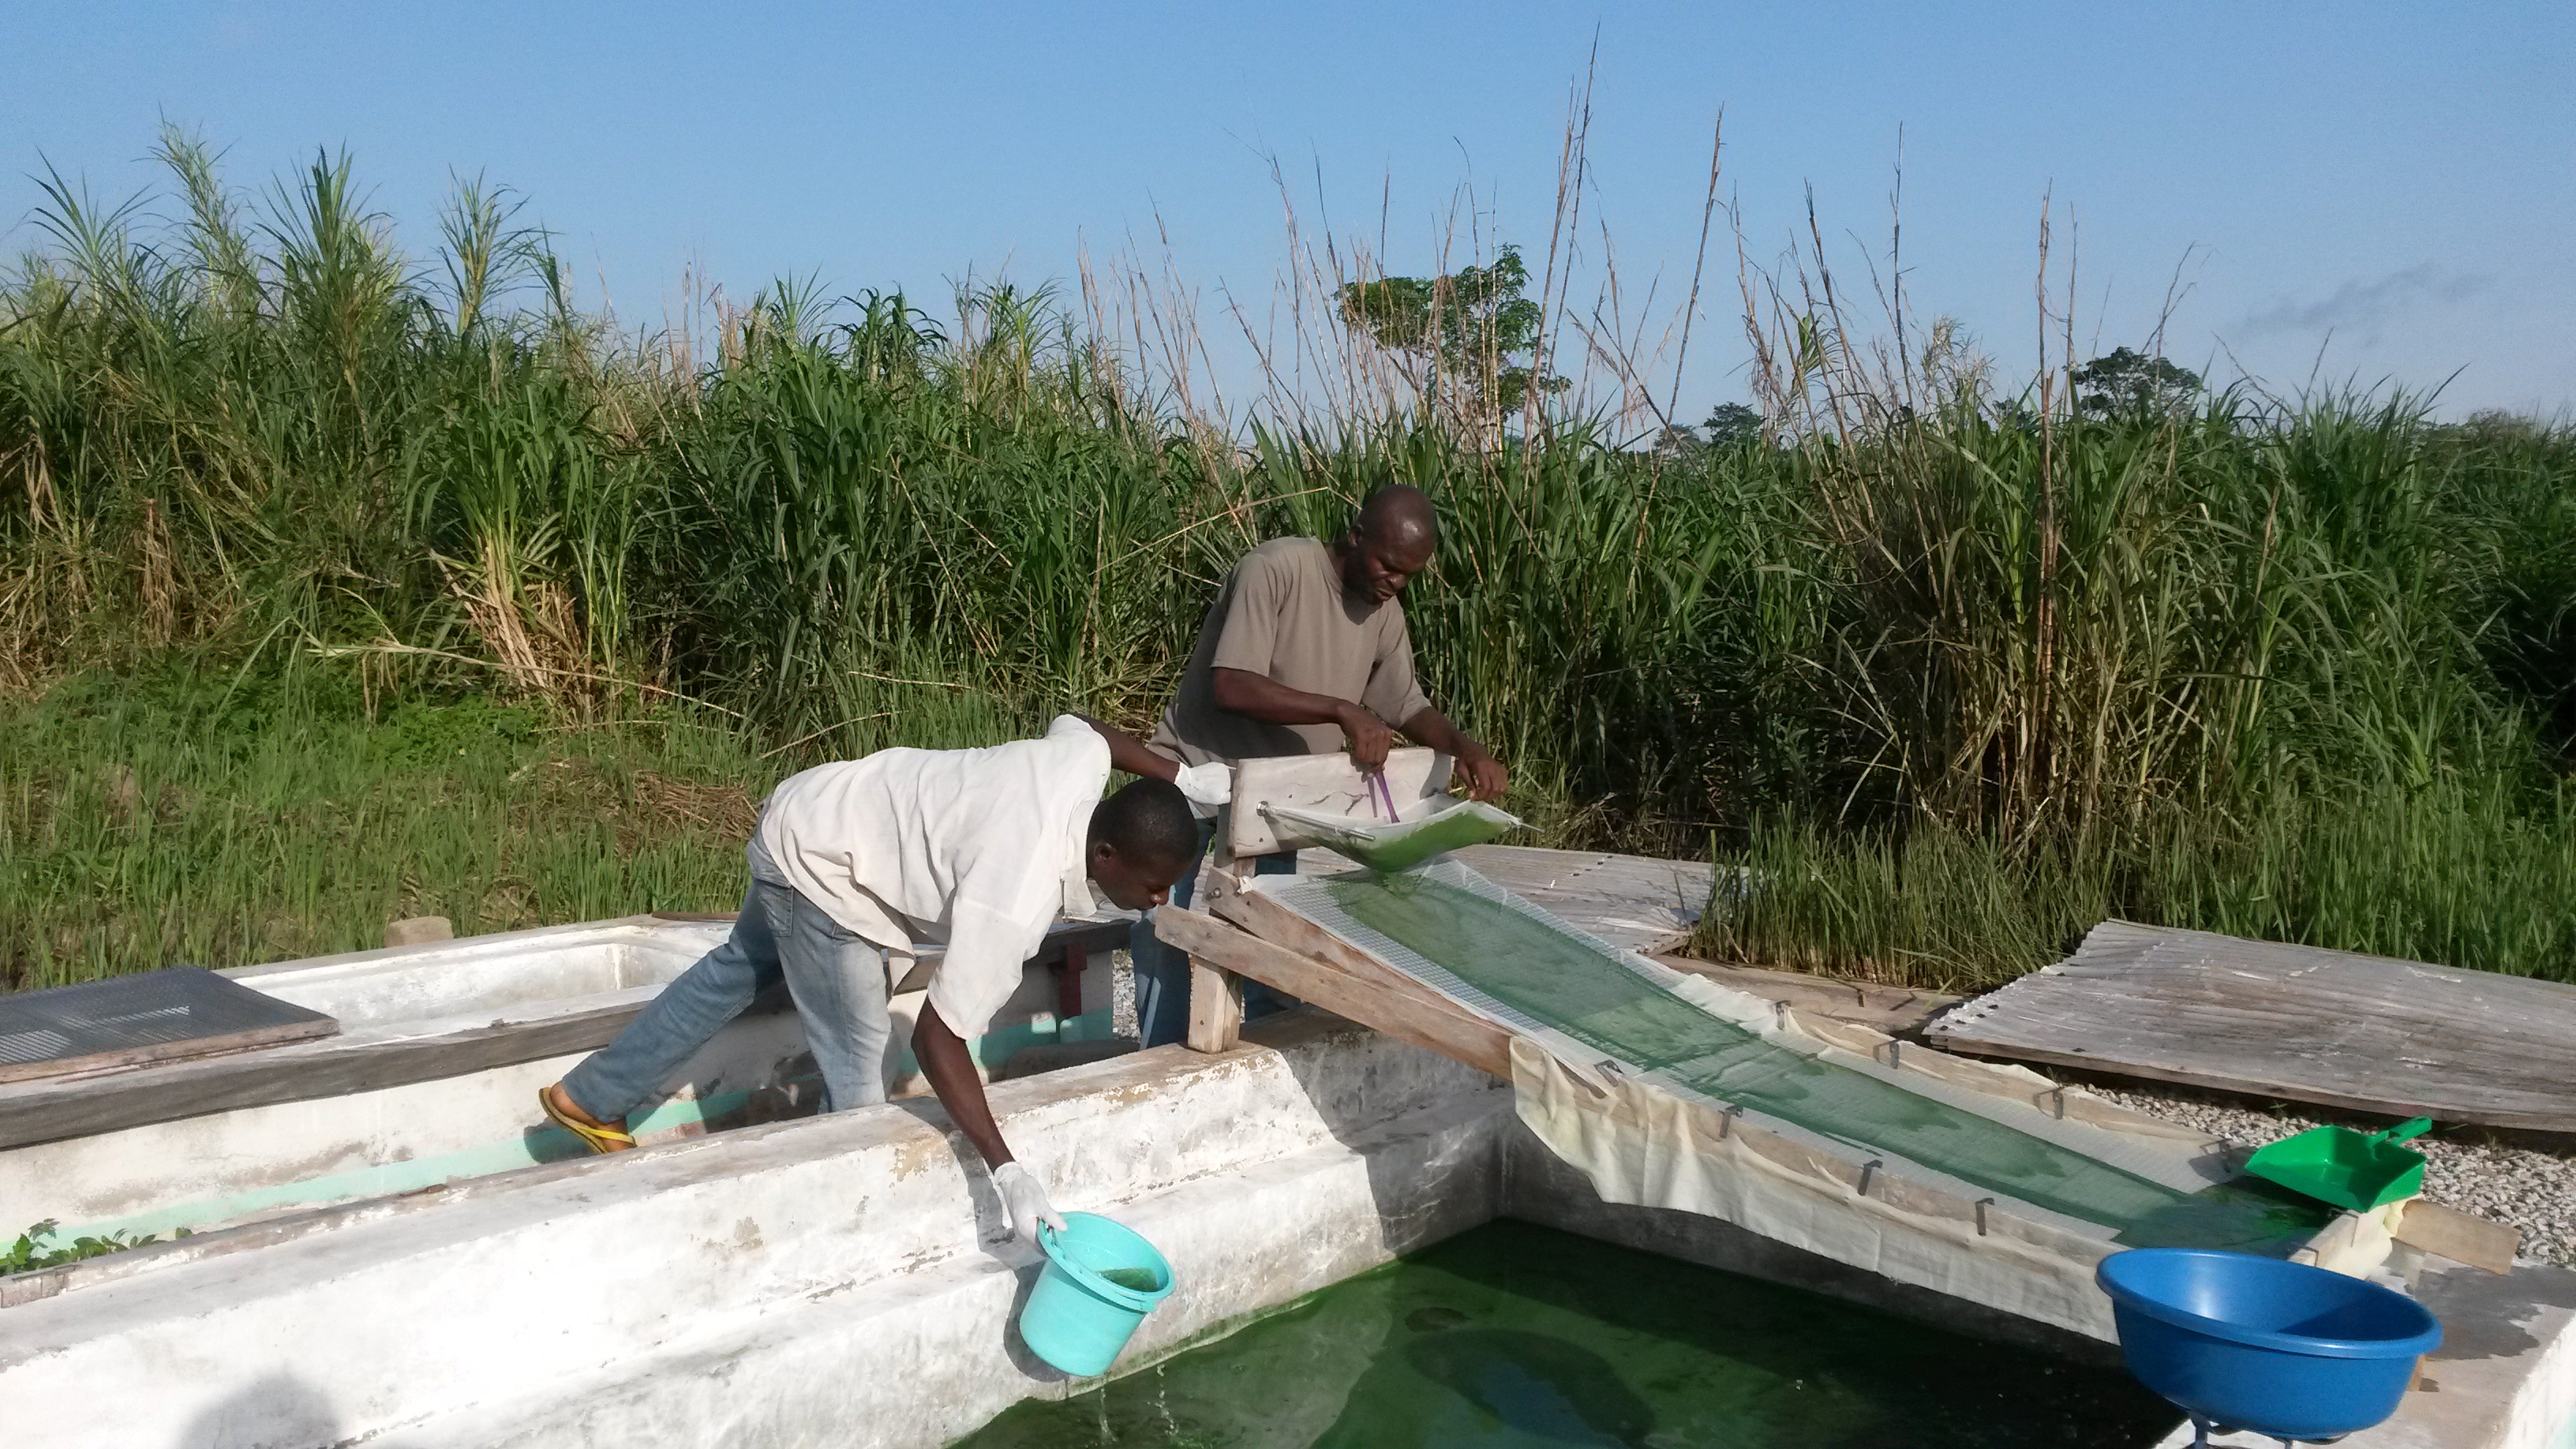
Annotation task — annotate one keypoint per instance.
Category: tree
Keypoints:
(1731, 424)
(1463, 329)
(2129, 384)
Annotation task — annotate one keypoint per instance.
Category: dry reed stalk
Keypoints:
(159, 587)
(529, 625)
(2034, 722)
(1699, 258)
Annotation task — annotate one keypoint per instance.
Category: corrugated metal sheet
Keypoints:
(2365, 1033)
(151, 1016)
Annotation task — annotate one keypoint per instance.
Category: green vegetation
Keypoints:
(334, 587)
(160, 818)
(35, 1248)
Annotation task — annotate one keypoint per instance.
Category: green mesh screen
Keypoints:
(1522, 967)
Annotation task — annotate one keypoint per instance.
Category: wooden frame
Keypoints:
(1326, 784)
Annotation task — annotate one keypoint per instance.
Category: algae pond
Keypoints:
(1515, 1337)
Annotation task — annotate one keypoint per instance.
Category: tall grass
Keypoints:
(1956, 670)
(2463, 870)
(161, 817)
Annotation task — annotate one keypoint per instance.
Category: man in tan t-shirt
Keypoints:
(1304, 652)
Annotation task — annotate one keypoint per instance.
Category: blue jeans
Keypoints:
(837, 979)
(1163, 971)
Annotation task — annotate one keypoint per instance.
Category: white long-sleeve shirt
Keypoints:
(976, 849)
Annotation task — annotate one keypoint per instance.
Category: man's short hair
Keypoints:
(1147, 820)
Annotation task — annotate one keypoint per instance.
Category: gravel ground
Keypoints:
(2532, 1188)
(1122, 985)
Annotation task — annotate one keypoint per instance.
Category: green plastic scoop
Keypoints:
(2346, 1168)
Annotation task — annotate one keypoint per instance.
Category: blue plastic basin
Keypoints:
(2279, 1348)
(1076, 1318)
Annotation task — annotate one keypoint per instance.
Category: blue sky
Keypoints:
(2378, 193)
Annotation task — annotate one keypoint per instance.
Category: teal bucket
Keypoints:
(1077, 1318)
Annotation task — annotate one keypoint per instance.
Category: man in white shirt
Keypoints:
(853, 864)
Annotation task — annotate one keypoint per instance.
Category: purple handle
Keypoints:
(1383, 795)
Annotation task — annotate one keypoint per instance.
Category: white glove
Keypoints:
(1024, 1203)
(1206, 786)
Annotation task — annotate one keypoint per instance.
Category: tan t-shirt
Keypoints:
(1284, 613)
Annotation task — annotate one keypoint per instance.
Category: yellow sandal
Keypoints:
(596, 1138)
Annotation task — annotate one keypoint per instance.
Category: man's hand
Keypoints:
(1370, 737)
(1211, 784)
(1024, 1203)
(1485, 777)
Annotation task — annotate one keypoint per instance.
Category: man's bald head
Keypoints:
(1391, 538)
(1396, 513)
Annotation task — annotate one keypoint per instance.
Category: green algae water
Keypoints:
(1135, 1280)
(1517, 1337)
(1555, 978)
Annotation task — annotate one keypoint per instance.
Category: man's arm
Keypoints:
(1128, 753)
(951, 1073)
(1485, 777)
(1258, 695)
(945, 1061)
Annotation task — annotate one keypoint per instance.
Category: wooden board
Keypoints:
(1414, 1014)
(1216, 1001)
(2458, 1236)
(43, 1111)
(1326, 785)
(2364, 1033)
(1897, 1011)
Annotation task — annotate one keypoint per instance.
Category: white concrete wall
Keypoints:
(164, 1168)
(810, 1282)
(188, 1171)
(487, 973)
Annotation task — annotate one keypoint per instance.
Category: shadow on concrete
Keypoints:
(279, 1411)
(1361, 1108)
(992, 1232)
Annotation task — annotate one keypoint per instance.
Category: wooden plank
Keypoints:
(1216, 1001)
(1382, 978)
(45, 1111)
(1326, 784)
(2458, 1236)
(1894, 1010)
(1275, 923)
(1414, 1015)
(2362, 1033)
(1637, 903)
(1418, 1015)
(168, 1051)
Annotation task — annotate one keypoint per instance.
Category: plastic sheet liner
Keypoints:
(1649, 1148)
